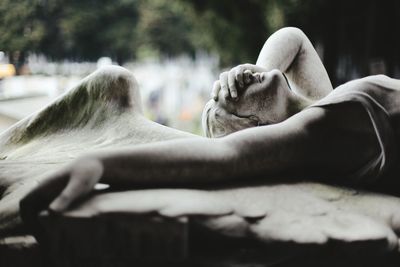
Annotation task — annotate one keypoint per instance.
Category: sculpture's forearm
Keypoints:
(296, 147)
(242, 155)
(178, 163)
(173, 163)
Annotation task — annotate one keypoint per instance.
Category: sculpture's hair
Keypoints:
(206, 117)
(217, 122)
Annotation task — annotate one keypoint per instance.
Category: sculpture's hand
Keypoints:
(62, 188)
(249, 95)
(256, 101)
(230, 82)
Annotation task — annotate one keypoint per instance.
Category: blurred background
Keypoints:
(177, 48)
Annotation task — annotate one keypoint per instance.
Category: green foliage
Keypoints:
(88, 29)
(99, 28)
(20, 27)
(165, 27)
(80, 29)
(236, 29)
(123, 29)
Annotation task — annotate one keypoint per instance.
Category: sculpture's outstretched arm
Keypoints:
(290, 51)
(292, 148)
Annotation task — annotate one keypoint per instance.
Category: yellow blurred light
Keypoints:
(7, 70)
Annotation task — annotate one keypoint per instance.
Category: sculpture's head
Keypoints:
(267, 100)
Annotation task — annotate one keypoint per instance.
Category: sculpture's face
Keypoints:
(264, 101)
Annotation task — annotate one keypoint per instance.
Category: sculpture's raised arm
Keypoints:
(289, 51)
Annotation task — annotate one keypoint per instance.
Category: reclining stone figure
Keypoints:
(278, 121)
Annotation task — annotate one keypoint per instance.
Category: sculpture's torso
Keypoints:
(380, 98)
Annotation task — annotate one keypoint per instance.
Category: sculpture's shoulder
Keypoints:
(372, 85)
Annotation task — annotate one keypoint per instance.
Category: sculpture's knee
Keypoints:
(115, 84)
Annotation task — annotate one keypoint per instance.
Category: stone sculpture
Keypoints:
(103, 115)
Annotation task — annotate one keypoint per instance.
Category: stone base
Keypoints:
(122, 240)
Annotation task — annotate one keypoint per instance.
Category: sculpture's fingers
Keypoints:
(239, 75)
(215, 90)
(40, 197)
(247, 75)
(84, 177)
(223, 79)
(254, 68)
(232, 84)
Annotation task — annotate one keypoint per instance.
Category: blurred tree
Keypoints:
(99, 28)
(165, 28)
(236, 30)
(20, 27)
(77, 29)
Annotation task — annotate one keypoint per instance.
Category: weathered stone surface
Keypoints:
(262, 224)
(304, 213)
